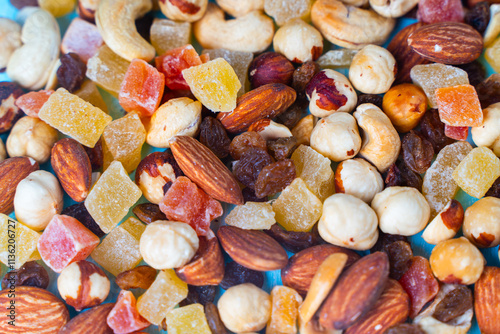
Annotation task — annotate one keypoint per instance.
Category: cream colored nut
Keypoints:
(482, 222)
(488, 134)
(457, 261)
(184, 10)
(10, 40)
(393, 8)
(168, 244)
(330, 91)
(373, 70)
(176, 117)
(86, 9)
(349, 26)
(303, 130)
(38, 198)
(401, 210)
(270, 130)
(357, 3)
(3, 154)
(493, 28)
(446, 224)
(348, 222)
(30, 64)
(52, 81)
(244, 308)
(336, 137)
(252, 32)
(239, 8)
(298, 41)
(83, 284)
(313, 327)
(381, 142)
(357, 177)
(115, 20)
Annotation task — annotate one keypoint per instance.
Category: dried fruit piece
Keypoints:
(186, 318)
(32, 102)
(148, 212)
(400, 175)
(400, 257)
(107, 69)
(475, 71)
(236, 274)
(124, 317)
(282, 148)
(173, 62)
(456, 132)
(275, 177)
(25, 240)
(488, 91)
(454, 304)
(295, 241)
(167, 35)
(284, 312)
(417, 151)
(434, 130)
(405, 329)
(248, 167)
(430, 11)
(213, 319)
(242, 143)
(214, 136)
(80, 213)
(459, 106)
(82, 38)
(30, 274)
(251, 216)
(202, 294)
(139, 277)
(71, 72)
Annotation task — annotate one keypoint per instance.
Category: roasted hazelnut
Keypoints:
(446, 224)
(405, 105)
(9, 112)
(482, 222)
(359, 178)
(488, 134)
(270, 130)
(270, 67)
(298, 41)
(3, 154)
(303, 130)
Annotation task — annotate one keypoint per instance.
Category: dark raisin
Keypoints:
(400, 255)
(275, 177)
(249, 196)
(405, 329)
(138, 277)
(71, 72)
(400, 175)
(213, 135)
(80, 213)
(30, 274)
(488, 91)
(213, 319)
(295, 241)
(270, 67)
(478, 17)
(244, 142)
(494, 190)
(385, 239)
(293, 115)
(282, 148)
(475, 71)
(370, 98)
(95, 155)
(247, 169)
(148, 212)
(432, 129)
(143, 25)
(9, 112)
(200, 295)
(454, 304)
(302, 76)
(237, 274)
(417, 152)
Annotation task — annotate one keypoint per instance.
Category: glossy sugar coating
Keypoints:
(89, 92)
(432, 11)
(284, 11)
(459, 106)
(430, 77)
(492, 55)
(122, 141)
(74, 117)
(188, 319)
(119, 251)
(438, 185)
(477, 172)
(285, 310)
(107, 69)
(112, 196)
(124, 317)
(166, 291)
(297, 208)
(25, 242)
(315, 170)
(336, 58)
(167, 34)
(214, 84)
(252, 216)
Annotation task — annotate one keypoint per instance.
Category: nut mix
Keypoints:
(242, 154)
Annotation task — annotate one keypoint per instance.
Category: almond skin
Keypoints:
(92, 321)
(487, 301)
(13, 171)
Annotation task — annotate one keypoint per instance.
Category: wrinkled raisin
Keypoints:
(475, 71)
(275, 177)
(494, 190)
(71, 72)
(143, 25)
(247, 169)
(384, 240)
(80, 213)
(200, 295)
(405, 329)
(95, 155)
(282, 148)
(400, 255)
(400, 175)
(244, 142)
(478, 17)
(454, 304)
(292, 115)
(138, 277)
(295, 241)
(302, 76)
(214, 136)
(213, 319)
(237, 274)
(432, 129)
(30, 274)
(149, 212)
(488, 91)
(249, 196)
(370, 98)
(417, 152)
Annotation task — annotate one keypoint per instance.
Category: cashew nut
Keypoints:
(493, 28)
(239, 8)
(115, 20)
(392, 8)
(381, 143)
(30, 64)
(184, 10)
(488, 134)
(10, 39)
(252, 32)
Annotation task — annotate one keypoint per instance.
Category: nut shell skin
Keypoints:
(446, 224)
(482, 222)
(359, 178)
(270, 67)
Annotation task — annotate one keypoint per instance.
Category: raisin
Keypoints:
(370, 98)
(200, 295)
(488, 91)
(282, 148)
(385, 239)
(213, 319)
(237, 274)
(138, 277)
(295, 241)
(30, 274)
(494, 190)
(249, 196)
(71, 72)
(432, 129)
(143, 25)
(302, 76)
(454, 304)
(214, 136)
(292, 115)
(275, 177)
(149, 212)
(475, 71)
(405, 329)
(244, 142)
(400, 255)
(95, 155)
(247, 169)
(478, 17)
(80, 213)
(417, 152)
(400, 175)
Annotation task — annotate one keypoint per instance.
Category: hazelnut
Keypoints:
(10, 40)
(31, 137)
(270, 67)
(336, 137)
(83, 284)
(3, 154)
(9, 112)
(488, 134)
(330, 91)
(359, 178)
(303, 130)
(168, 244)
(446, 224)
(405, 105)
(244, 308)
(373, 70)
(348, 222)
(401, 210)
(154, 172)
(38, 198)
(482, 222)
(457, 261)
(298, 41)
(270, 130)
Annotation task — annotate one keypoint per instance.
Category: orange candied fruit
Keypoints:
(32, 102)
(459, 106)
(172, 62)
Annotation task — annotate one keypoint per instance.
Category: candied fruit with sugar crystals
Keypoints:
(184, 201)
(107, 69)
(477, 172)
(334, 59)
(32, 102)
(252, 216)
(188, 319)
(214, 84)
(430, 77)
(438, 186)
(492, 55)
(456, 132)
(119, 250)
(82, 38)
(297, 208)
(173, 62)
(285, 310)
(282, 12)
(89, 92)
(64, 241)
(433, 11)
(74, 117)
(167, 34)
(142, 88)
(459, 106)
(25, 241)
(124, 317)
(112, 196)
(166, 291)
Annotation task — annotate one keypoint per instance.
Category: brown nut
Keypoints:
(95, 318)
(9, 112)
(270, 130)
(3, 153)
(298, 41)
(446, 224)
(405, 105)
(13, 171)
(270, 67)
(482, 222)
(487, 299)
(138, 277)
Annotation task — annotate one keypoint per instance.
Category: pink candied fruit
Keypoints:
(64, 241)
(174, 61)
(124, 317)
(32, 102)
(82, 38)
(433, 11)
(456, 132)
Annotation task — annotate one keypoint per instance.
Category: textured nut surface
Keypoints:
(488, 134)
(10, 113)
(3, 153)
(270, 130)
(482, 222)
(359, 178)
(93, 319)
(298, 41)
(446, 224)
(487, 299)
(303, 130)
(13, 171)
(405, 105)
(238, 8)
(10, 40)
(183, 10)
(393, 8)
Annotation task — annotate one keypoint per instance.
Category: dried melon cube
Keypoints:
(89, 92)
(18, 243)
(107, 69)
(124, 317)
(252, 216)
(188, 319)
(167, 34)
(459, 106)
(285, 310)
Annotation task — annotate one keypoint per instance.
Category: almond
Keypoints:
(35, 311)
(252, 249)
(267, 101)
(447, 42)
(487, 301)
(72, 167)
(13, 171)
(206, 170)
(92, 321)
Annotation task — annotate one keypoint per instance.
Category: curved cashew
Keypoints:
(493, 28)
(393, 8)
(184, 10)
(115, 20)
(30, 64)
(488, 134)
(252, 32)
(381, 143)
(10, 39)
(239, 8)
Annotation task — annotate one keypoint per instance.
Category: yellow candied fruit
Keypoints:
(252, 216)
(89, 92)
(188, 319)
(107, 69)
(57, 8)
(285, 309)
(18, 243)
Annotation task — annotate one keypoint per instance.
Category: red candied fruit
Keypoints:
(456, 132)
(124, 317)
(172, 62)
(32, 102)
(433, 11)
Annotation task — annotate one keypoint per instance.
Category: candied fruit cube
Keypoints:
(167, 34)
(477, 172)
(284, 12)
(74, 117)
(186, 202)
(64, 241)
(124, 317)
(214, 84)
(433, 11)
(32, 102)
(459, 106)
(173, 62)
(252, 216)
(315, 170)
(492, 55)
(112, 196)
(334, 59)
(297, 208)
(88, 91)
(107, 69)
(82, 38)
(456, 132)
(25, 242)
(166, 291)
(285, 309)
(188, 319)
